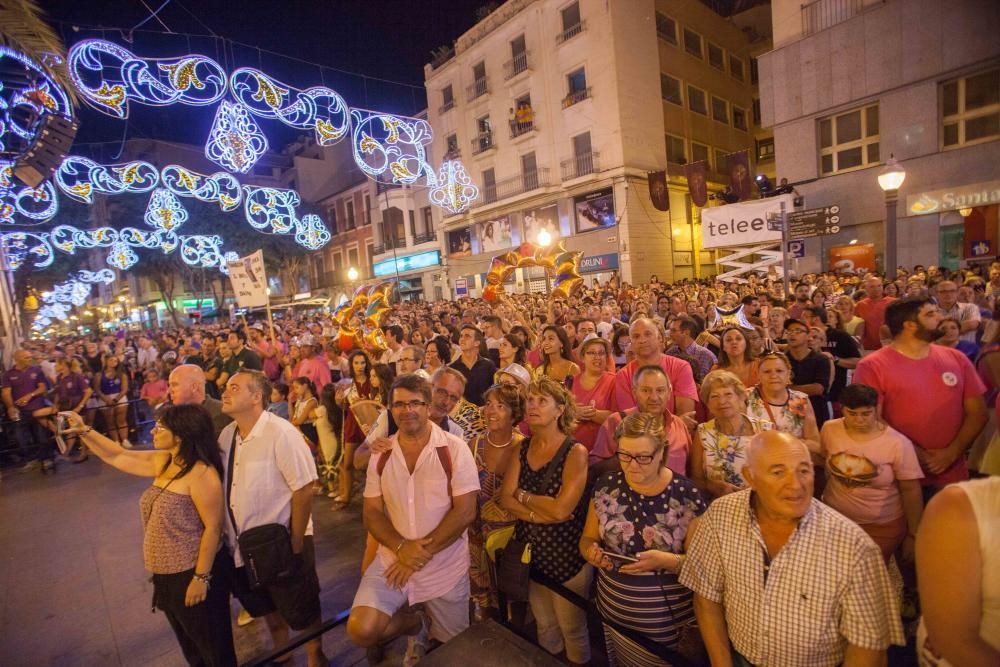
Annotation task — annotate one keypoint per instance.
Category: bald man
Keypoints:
(187, 387)
(828, 599)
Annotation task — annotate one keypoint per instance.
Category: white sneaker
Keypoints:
(126, 444)
(244, 618)
(416, 645)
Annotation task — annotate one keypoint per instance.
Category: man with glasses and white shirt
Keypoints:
(411, 360)
(420, 497)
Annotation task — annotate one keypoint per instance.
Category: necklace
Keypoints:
(506, 444)
(739, 430)
(788, 397)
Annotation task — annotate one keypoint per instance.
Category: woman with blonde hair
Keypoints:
(786, 409)
(853, 325)
(776, 317)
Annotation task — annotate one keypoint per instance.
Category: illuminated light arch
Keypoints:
(235, 141)
(387, 143)
(164, 211)
(36, 204)
(318, 108)
(453, 190)
(80, 178)
(311, 233)
(23, 107)
(221, 187)
(109, 76)
(270, 207)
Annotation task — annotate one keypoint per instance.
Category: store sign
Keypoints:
(461, 286)
(596, 263)
(981, 248)
(851, 258)
(742, 224)
(950, 199)
(421, 260)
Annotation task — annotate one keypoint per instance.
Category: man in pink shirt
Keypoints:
(872, 310)
(647, 345)
(929, 393)
(313, 366)
(266, 351)
(420, 497)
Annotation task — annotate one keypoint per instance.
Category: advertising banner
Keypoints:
(595, 210)
(742, 224)
(537, 219)
(851, 258)
(249, 280)
(495, 234)
(460, 242)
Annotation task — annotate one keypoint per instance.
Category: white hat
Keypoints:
(518, 372)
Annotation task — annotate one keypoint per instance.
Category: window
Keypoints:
(571, 17)
(970, 109)
(529, 171)
(413, 223)
(692, 43)
(518, 58)
(352, 257)
(716, 56)
(670, 89)
(370, 250)
(849, 140)
(666, 28)
(765, 149)
(581, 145)
(350, 215)
(736, 67)
(478, 87)
(576, 81)
(676, 150)
(699, 153)
(489, 186)
(368, 209)
(721, 157)
(428, 217)
(697, 101)
(524, 116)
(756, 112)
(331, 219)
(451, 142)
(338, 266)
(739, 118)
(484, 136)
(720, 110)
(754, 71)
(447, 98)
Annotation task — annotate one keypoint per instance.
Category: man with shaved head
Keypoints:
(779, 578)
(187, 387)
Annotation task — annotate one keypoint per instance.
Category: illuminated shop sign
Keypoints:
(421, 260)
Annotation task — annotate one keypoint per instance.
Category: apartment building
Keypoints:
(558, 110)
(850, 83)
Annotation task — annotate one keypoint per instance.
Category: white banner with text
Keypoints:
(742, 224)
(249, 280)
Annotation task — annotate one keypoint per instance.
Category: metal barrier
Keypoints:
(268, 658)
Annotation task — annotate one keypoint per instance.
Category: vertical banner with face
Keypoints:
(697, 186)
(460, 242)
(249, 280)
(658, 193)
(537, 219)
(738, 166)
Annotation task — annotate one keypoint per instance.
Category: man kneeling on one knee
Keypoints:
(420, 497)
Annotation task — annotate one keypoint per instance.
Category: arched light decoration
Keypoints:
(221, 187)
(38, 205)
(235, 141)
(318, 108)
(395, 144)
(270, 207)
(109, 76)
(164, 211)
(454, 191)
(311, 233)
(80, 178)
(26, 98)
(74, 291)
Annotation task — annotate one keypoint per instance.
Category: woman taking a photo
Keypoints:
(593, 390)
(111, 390)
(785, 409)
(358, 389)
(736, 356)
(557, 355)
(182, 515)
(493, 451)
(551, 518)
(634, 536)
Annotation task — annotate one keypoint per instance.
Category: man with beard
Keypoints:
(930, 393)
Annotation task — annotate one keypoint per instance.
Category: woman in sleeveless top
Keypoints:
(182, 515)
(959, 581)
(360, 389)
(551, 518)
(493, 450)
(557, 355)
(304, 413)
(111, 387)
(329, 446)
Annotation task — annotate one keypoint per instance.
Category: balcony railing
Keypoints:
(477, 88)
(426, 237)
(581, 165)
(571, 32)
(575, 97)
(510, 187)
(388, 244)
(517, 129)
(482, 142)
(447, 106)
(822, 14)
(516, 65)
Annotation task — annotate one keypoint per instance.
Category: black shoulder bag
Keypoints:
(514, 560)
(266, 550)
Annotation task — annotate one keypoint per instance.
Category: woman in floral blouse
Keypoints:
(634, 536)
(787, 410)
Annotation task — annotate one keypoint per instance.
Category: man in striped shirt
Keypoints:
(781, 579)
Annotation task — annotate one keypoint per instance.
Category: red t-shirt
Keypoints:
(873, 313)
(677, 370)
(923, 398)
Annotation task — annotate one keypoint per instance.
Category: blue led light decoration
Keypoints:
(27, 95)
(453, 190)
(386, 143)
(318, 108)
(235, 142)
(311, 233)
(80, 178)
(221, 187)
(270, 207)
(109, 76)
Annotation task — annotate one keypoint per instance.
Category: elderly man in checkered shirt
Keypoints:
(781, 579)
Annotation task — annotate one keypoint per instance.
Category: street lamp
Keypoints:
(545, 240)
(890, 179)
(352, 274)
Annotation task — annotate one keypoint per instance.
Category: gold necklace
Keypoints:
(506, 444)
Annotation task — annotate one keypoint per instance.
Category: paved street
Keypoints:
(73, 590)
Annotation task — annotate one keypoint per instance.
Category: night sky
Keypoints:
(386, 39)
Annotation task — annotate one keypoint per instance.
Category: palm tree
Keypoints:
(22, 29)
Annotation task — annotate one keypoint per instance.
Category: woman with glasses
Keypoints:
(494, 450)
(551, 518)
(182, 516)
(358, 389)
(634, 535)
(593, 390)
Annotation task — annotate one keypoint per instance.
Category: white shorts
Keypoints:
(449, 613)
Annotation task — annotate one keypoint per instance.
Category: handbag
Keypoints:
(514, 560)
(266, 550)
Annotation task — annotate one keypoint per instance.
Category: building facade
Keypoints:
(850, 83)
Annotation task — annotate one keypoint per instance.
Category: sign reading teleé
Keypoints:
(742, 224)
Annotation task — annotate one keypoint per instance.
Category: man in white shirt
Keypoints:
(269, 479)
(420, 498)
(147, 353)
(967, 314)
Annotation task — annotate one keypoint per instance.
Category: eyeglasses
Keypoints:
(411, 359)
(595, 353)
(405, 406)
(641, 459)
(444, 393)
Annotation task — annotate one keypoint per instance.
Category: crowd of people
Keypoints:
(720, 469)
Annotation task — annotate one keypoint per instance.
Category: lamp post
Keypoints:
(890, 179)
(545, 240)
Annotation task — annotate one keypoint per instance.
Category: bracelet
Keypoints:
(531, 516)
(203, 578)
(83, 433)
(400, 546)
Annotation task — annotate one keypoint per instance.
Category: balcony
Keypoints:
(822, 14)
(575, 97)
(571, 32)
(477, 89)
(517, 129)
(581, 165)
(426, 237)
(510, 187)
(482, 143)
(515, 65)
(385, 186)
(389, 244)
(447, 106)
